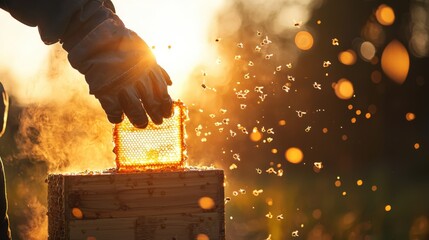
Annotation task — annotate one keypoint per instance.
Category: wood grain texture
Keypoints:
(144, 205)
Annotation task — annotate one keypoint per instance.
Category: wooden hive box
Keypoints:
(180, 205)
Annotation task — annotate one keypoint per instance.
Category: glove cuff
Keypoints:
(84, 21)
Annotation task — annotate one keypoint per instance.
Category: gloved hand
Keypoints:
(146, 93)
(4, 103)
(119, 67)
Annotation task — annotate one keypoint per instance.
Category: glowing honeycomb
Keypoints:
(155, 147)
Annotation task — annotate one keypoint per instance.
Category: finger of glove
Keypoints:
(166, 77)
(133, 108)
(112, 107)
(160, 90)
(167, 108)
(149, 100)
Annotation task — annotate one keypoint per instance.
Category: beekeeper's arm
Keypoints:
(119, 67)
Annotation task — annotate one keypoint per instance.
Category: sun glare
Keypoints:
(177, 32)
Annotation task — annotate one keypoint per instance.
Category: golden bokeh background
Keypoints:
(316, 110)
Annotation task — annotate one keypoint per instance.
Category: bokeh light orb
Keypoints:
(256, 135)
(388, 208)
(367, 51)
(317, 214)
(77, 213)
(395, 61)
(344, 89)
(202, 236)
(294, 155)
(410, 116)
(337, 183)
(359, 182)
(385, 15)
(372, 109)
(420, 228)
(376, 76)
(304, 40)
(206, 203)
(347, 57)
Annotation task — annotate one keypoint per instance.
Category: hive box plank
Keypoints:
(140, 206)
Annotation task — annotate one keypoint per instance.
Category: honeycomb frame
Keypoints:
(156, 147)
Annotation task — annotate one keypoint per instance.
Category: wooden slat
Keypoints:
(103, 229)
(178, 227)
(135, 180)
(146, 228)
(130, 195)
